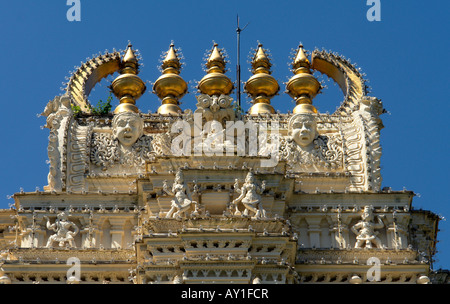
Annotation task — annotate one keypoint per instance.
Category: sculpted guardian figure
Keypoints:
(181, 203)
(365, 229)
(250, 197)
(63, 233)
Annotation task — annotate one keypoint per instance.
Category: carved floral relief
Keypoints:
(106, 152)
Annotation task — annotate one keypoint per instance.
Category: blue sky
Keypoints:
(405, 57)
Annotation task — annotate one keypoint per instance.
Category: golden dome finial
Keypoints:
(170, 87)
(129, 56)
(216, 60)
(215, 82)
(171, 60)
(303, 86)
(301, 60)
(261, 86)
(261, 62)
(128, 87)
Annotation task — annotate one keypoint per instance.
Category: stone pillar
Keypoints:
(86, 241)
(397, 236)
(26, 238)
(403, 236)
(39, 237)
(314, 231)
(335, 236)
(33, 237)
(117, 232)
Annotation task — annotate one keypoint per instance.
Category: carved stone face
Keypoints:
(179, 176)
(180, 195)
(303, 129)
(367, 214)
(127, 128)
(249, 179)
(62, 216)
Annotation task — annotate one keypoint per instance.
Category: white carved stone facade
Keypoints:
(134, 211)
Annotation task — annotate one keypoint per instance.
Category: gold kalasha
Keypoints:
(215, 82)
(261, 86)
(303, 86)
(128, 87)
(170, 87)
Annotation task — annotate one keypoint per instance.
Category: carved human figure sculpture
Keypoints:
(63, 233)
(127, 127)
(181, 203)
(214, 139)
(250, 197)
(303, 129)
(365, 229)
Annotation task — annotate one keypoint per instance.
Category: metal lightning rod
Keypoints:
(238, 65)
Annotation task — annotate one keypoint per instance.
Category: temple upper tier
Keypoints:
(212, 194)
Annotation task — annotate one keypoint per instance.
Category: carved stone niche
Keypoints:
(215, 202)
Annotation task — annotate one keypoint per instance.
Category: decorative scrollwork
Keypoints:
(219, 108)
(326, 152)
(104, 150)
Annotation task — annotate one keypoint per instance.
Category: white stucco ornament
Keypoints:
(365, 230)
(181, 203)
(250, 197)
(63, 234)
(127, 127)
(303, 129)
(305, 147)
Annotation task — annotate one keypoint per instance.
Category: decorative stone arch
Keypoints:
(345, 74)
(84, 79)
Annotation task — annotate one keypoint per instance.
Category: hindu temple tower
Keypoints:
(211, 194)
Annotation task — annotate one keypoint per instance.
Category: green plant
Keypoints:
(76, 109)
(103, 107)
